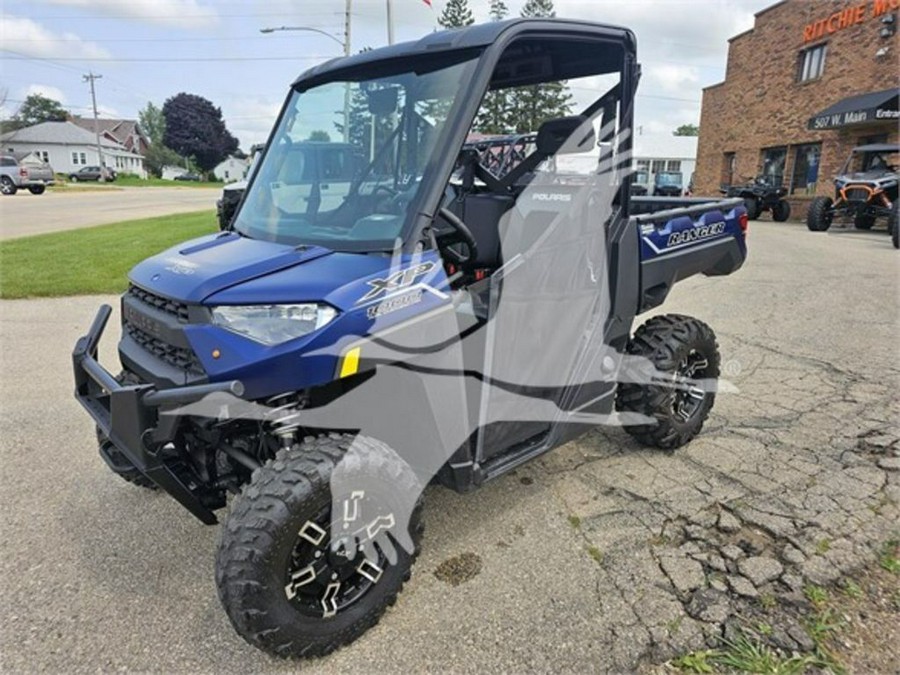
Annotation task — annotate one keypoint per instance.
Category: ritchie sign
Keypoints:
(848, 17)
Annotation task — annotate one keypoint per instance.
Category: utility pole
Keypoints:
(390, 22)
(90, 77)
(348, 9)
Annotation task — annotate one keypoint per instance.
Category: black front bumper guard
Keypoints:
(129, 415)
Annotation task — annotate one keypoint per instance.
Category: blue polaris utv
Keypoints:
(446, 319)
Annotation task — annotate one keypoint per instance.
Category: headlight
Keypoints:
(273, 324)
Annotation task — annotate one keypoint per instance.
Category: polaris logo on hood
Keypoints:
(696, 233)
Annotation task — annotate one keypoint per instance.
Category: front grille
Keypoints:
(857, 194)
(173, 307)
(183, 359)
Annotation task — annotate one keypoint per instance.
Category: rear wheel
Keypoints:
(752, 206)
(36, 189)
(781, 211)
(863, 221)
(681, 363)
(819, 215)
(7, 186)
(287, 585)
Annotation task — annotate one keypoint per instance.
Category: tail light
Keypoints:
(744, 222)
(23, 172)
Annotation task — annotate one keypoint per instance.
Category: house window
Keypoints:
(658, 165)
(811, 63)
(673, 165)
(83, 158)
(773, 160)
(806, 168)
(75, 158)
(729, 160)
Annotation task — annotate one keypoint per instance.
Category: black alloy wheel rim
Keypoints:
(322, 578)
(689, 394)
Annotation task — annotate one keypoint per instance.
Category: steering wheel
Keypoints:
(460, 234)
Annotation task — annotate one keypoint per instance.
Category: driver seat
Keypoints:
(482, 214)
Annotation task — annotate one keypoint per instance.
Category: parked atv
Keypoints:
(761, 195)
(442, 322)
(865, 190)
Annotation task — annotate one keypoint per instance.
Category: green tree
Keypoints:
(159, 156)
(498, 10)
(687, 130)
(195, 128)
(153, 123)
(496, 115)
(456, 14)
(37, 108)
(319, 135)
(538, 8)
(535, 104)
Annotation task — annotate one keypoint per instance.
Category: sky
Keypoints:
(150, 50)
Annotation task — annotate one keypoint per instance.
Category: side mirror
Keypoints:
(382, 101)
(566, 136)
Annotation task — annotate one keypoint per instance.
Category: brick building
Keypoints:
(810, 80)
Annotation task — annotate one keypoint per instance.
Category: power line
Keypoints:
(189, 59)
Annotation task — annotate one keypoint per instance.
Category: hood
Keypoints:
(195, 270)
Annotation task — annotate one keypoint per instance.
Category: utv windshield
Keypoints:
(348, 157)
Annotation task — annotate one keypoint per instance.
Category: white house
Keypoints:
(68, 147)
(171, 171)
(654, 153)
(231, 169)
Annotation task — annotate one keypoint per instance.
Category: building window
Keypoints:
(773, 160)
(643, 165)
(658, 165)
(74, 158)
(83, 159)
(729, 160)
(811, 63)
(806, 168)
(673, 165)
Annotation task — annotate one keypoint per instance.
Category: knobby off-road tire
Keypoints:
(7, 186)
(863, 222)
(818, 216)
(752, 206)
(269, 526)
(781, 211)
(681, 349)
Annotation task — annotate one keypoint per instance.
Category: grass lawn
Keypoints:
(134, 181)
(91, 260)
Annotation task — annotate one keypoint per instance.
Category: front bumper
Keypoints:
(130, 415)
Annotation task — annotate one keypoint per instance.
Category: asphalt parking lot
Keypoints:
(599, 556)
(25, 214)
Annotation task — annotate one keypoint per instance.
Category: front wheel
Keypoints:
(318, 545)
(7, 187)
(781, 211)
(752, 206)
(73, 178)
(676, 360)
(819, 215)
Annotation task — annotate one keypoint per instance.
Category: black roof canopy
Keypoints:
(460, 40)
(876, 106)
